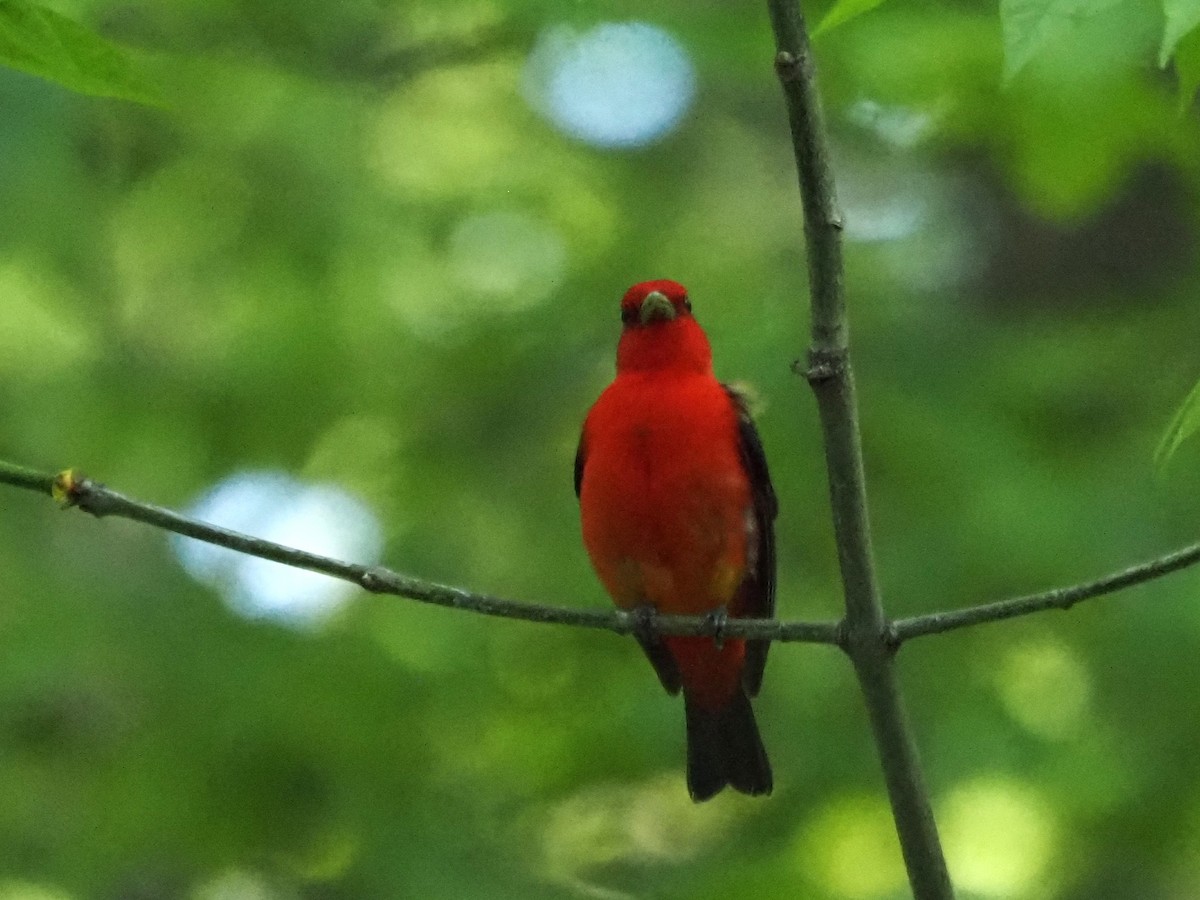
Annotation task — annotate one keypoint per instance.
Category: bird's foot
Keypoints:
(718, 619)
(645, 629)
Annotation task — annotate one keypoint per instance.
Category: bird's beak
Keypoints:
(655, 305)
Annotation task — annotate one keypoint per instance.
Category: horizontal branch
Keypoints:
(1058, 598)
(72, 489)
(32, 480)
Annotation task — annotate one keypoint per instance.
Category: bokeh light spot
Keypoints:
(1045, 688)
(507, 255)
(365, 454)
(27, 890)
(851, 848)
(589, 836)
(450, 132)
(237, 885)
(1000, 836)
(881, 207)
(899, 126)
(619, 84)
(318, 518)
(42, 335)
(498, 262)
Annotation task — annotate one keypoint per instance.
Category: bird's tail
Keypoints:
(724, 748)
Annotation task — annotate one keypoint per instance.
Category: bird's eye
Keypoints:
(687, 304)
(629, 314)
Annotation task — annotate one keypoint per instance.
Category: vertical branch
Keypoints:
(832, 380)
(822, 218)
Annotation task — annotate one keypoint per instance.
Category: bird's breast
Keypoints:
(664, 497)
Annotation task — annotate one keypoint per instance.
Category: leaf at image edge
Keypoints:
(1187, 68)
(1184, 423)
(41, 42)
(1030, 25)
(1182, 17)
(842, 12)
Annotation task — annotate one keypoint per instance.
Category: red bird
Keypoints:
(678, 517)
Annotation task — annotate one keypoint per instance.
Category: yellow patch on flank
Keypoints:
(726, 579)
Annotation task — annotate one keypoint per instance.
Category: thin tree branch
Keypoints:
(72, 489)
(30, 479)
(832, 380)
(1058, 598)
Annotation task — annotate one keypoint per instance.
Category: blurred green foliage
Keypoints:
(286, 269)
(42, 42)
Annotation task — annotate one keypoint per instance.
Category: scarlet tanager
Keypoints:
(678, 517)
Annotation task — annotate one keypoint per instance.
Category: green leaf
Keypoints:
(1029, 25)
(41, 42)
(1187, 68)
(842, 12)
(1183, 425)
(1182, 17)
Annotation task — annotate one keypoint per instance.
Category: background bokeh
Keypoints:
(354, 285)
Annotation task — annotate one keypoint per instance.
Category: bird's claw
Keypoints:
(718, 619)
(644, 617)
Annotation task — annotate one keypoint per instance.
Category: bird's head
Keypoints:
(659, 331)
(654, 301)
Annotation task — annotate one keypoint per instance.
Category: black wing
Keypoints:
(656, 651)
(580, 459)
(756, 596)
